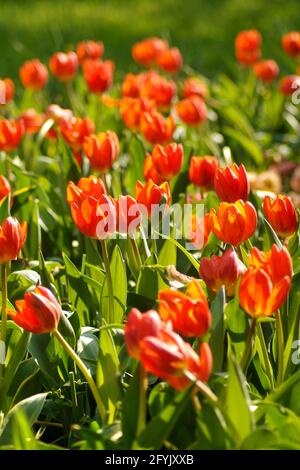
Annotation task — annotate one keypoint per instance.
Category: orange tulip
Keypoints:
(258, 295)
(170, 60)
(192, 111)
(140, 325)
(7, 90)
(91, 186)
(152, 194)
(232, 183)
(289, 84)
(102, 150)
(266, 70)
(74, 131)
(156, 128)
(132, 110)
(128, 214)
(189, 313)
(64, 65)
(234, 222)
(12, 238)
(39, 311)
(98, 75)
(145, 52)
(5, 188)
(149, 85)
(202, 171)
(34, 74)
(11, 133)
(291, 43)
(281, 214)
(223, 270)
(32, 121)
(277, 262)
(195, 87)
(164, 163)
(89, 50)
(199, 231)
(247, 46)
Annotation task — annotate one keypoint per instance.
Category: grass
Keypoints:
(203, 29)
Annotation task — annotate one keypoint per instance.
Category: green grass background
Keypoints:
(203, 29)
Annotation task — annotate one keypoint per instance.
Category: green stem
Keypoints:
(142, 400)
(248, 345)
(84, 372)
(280, 340)
(108, 280)
(261, 338)
(3, 316)
(136, 252)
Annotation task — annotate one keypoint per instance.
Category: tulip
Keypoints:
(98, 75)
(32, 121)
(281, 214)
(156, 128)
(202, 171)
(232, 183)
(234, 223)
(223, 270)
(188, 313)
(165, 161)
(291, 43)
(64, 65)
(89, 50)
(266, 70)
(5, 189)
(132, 110)
(90, 186)
(277, 262)
(247, 47)
(195, 87)
(34, 74)
(131, 86)
(150, 171)
(145, 52)
(39, 312)
(12, 238)
(7, 89)
(128, 214)
(289, 84)
(74, 131)
(140, 325)
(11, 133)
(170, 60)
(199, 231)
(156, 88)
(192, 111)
(102, 150)
(152, 194)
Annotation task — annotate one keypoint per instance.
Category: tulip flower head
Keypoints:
(98, 75)
(140, 325)
(151, 194)
(195, 87)
(102, 150)
(12, 238)
(289, 84)
(192, 111)
(281, 214)
(11, 134)
(34, 74)
(291, 43)
(247, 46)
(74, 131)
(164, 163)
(64, 65)
(170, 60)
(156, 128)
(128, 214)
(202, 171)
(146, 52)
(89, 50)
(266, 70)
(232, 183)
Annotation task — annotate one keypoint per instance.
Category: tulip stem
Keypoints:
(280, 341)
(261, 337)
(108, 280)
(142, 399)
(3, 319)
(136, 252)
(248, 345)
(84, 372)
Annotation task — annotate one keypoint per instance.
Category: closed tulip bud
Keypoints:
(12, 238)
(281, 214)
(128, 214)
(11, 134)
(223, 270)
(39, 312)
(64, 65)
(156, 128)
(289, 84)
(145, 52)
(234, 223)
(192, 111)
(152, 194)
(5, 189)
(7, 91)
(164, 163)
(140, 325)
(34, 74)
(32, 121)
(291, 43)
(202, 171)
(89, 50)
(74, 131)
(232, 183)
(98, 75)
(247, 47)
(195, 87)
(188, 313)
(247, 58)
(102, 150)
(266, 70)
(170, 60)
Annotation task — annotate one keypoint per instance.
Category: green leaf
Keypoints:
(167, 256)
(217, 330)
(131, 409)
(147, 284)
(237, 326)
(4, 209)
(247, 143)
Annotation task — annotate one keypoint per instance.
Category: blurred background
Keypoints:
(204, 30)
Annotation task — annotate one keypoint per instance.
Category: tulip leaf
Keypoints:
(217, 330)
(167, 256)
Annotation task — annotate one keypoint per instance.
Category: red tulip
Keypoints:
(189, 313)
(145, 52)
(5, 189)
(195, 87)
(89, 50)
(223, 270)
(102, 150)
(12, 238)
(202, 171)
(291, 43)
(192, 110)
(281, 214)
(39, 311)
(64, 65)
(165, 161)
(234, 223)
(170, 60)
(98, 75)
(11, 134)
(232, 183)
(32, 121)
(140, 325)
(156, 128)
(152, 194)
(128, 214)
(266, 70)
(289, 84)
(34, 74)
(132, 110)
(247, 46)
(74, 131)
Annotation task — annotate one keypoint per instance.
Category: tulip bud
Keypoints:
(232, 183)
(281, 214)
(12, 238)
